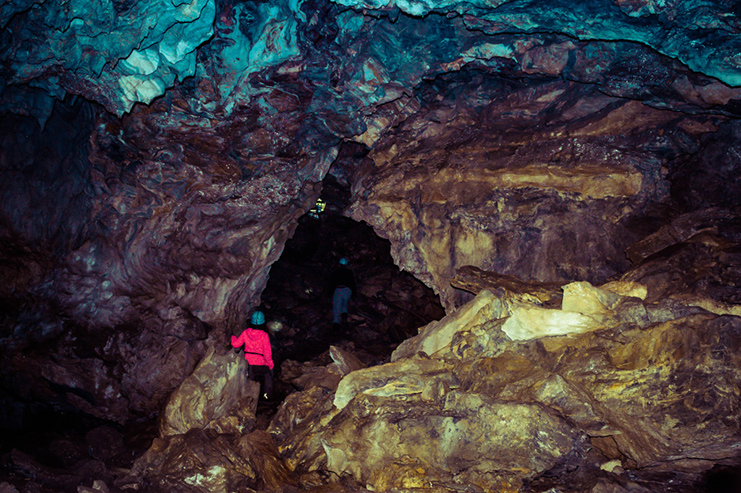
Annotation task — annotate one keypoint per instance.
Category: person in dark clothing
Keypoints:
(342, 283)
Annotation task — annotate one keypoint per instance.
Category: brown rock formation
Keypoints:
(217, 395)
(550, 198)
(564, 175)
(646, 389)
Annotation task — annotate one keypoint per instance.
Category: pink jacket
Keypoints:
(256, 347)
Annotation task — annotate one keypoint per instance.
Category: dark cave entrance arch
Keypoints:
(388, 307)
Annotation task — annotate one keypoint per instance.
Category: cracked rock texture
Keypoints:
(156, 156)
(648, 387)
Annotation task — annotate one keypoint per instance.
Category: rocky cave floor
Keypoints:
(59, 448)
(66, 451)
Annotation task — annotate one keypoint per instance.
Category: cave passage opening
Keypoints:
(389, 305)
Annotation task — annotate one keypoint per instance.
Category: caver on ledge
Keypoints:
(257, 352)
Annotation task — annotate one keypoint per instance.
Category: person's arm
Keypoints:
(237, 341)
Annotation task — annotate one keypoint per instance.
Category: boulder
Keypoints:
(437, 335)
(308, 374)
(208, 462)
(639, 388)
(218, 395)
(297, 429)
(406, 377)
(475, 280)
(407, 441)
(532, 322)
(346, 361)
(98, 486)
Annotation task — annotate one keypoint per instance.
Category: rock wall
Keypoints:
(614, 393)
(156, 157)
(570, 180)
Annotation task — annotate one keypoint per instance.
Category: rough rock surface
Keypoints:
(209, 462)
(216, 395)
(155, 157)
(539, 152)
(648, 390)
(101, 50)
(552, 200)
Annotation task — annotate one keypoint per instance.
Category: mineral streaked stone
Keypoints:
(680, 229)
(437, 336)
(586, 299)
(609, 383)
(659, 421)
(709, 304)
(584, 308)
(651, 385)
(420, 192)
(533, 322)
(683, 271)
(402, 377)
(202, 461)
(186, 202)
(458, 185)
(161, 208)
(345, 360)
(457, 440)
(216, 395)
(626, 288)
(296, 428)
(475, 280)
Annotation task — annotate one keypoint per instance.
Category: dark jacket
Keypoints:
(343, 276)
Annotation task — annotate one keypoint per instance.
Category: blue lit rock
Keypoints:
(115, 53)
(670, 30)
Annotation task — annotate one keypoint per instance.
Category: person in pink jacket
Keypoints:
(257, 352)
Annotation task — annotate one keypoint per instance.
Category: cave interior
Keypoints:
(540, 202)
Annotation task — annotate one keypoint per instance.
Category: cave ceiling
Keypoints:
(157, 155)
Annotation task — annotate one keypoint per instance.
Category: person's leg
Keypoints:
(336, 306)
(265, 377)
(344, 299)
(268, 388)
